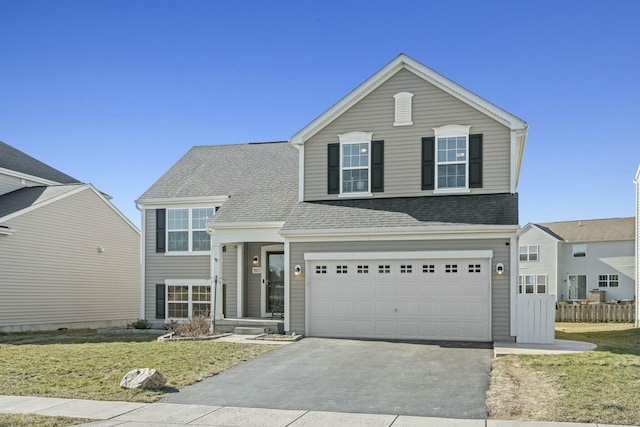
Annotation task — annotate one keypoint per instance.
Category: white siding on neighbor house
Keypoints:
(432, 107)
(547, 263)
(602, 258)
(53, 274)
(637, 249)
(160, 266)
(10, 183)
(500, 295)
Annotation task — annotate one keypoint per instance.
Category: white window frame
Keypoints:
(574, 250)
(190, 284)
(355, 138)
(451, 131)
(522, 284)
(608, 279)
(527, 252)
(189, 230)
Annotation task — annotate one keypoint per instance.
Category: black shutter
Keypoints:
(377, 166)
(333, 169)
(475, 161)
(160, 314)
(428, 163)
(160, 230)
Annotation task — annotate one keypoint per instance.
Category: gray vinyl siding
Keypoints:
(160, 266)
(500, 296)
(230, 279)
(602, 258)
(10, 183)
(547, 263)
(53, 275)
(432, 107)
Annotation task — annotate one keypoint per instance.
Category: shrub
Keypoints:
(140, 324)
(194, 327)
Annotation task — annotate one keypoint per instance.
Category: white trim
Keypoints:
(244, 225)
(586, 282)
(351, 138)
(33, 178)
(180, 282)
(355, 137)
(264, 272)
(407, 233)
(6, 231)
(185, 201)
(189, 230)
(514, 267)
(183, 282)
(240, 280)
(451, 131)
(246, 235)
(300, 172)
(334, 256)
(402, 61)
(143, 264)
(216, 273)
(287, 285)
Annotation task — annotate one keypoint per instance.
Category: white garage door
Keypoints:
(432, 299)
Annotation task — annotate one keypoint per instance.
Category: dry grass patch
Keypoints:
(85, 366)
(29, 420)
(600, 386)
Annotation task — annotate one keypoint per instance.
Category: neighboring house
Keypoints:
(394, 214)
(568, 259)
(637, 247)
(68, 257)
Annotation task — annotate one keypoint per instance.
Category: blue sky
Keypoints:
(114, 92)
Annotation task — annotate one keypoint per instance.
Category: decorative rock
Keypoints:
(143, 378)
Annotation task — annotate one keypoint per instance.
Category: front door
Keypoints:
(275, 284)
(577, 286)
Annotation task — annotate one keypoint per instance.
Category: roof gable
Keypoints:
(594, 230)
(12, 159)
(401, 62)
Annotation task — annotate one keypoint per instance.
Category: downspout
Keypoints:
(143, 257)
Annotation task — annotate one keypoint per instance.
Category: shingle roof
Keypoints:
(260, 178)
(15, 160)
(489, 209)
(592, 230)
(25, 197)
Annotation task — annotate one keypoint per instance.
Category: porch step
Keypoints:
(245, 330)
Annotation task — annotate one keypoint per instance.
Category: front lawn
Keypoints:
(600, 386)
(87, 365)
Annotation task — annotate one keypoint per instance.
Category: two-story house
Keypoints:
(393, 214)
(68, 257)
(571, 258)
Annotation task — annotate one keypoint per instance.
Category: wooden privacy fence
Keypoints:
(596, 312)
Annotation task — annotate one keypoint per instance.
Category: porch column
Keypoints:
(216, 281)
(240, 278)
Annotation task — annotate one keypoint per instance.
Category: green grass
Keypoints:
(26, 420)
(87, 365)
(600, 386)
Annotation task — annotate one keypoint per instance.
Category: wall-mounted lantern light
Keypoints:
(256, 260)
(500, 268)
(297, 270)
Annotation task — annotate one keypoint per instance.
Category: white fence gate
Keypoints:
(536, 316)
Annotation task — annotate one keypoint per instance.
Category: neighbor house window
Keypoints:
(529, 253)
(355, 171)
(452, 166)
(187, 300)
(608, 280)
(579, 251)
(187, 229)
(532, 284)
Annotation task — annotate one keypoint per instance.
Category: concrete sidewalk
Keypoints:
(129, 414)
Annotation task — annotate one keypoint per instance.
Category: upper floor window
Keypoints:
(529, 253)
(355, 172)
(579, 251)
(403, 109)
(452, 159)
(186, 229)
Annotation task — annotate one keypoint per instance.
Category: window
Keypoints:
(384, 269)
(529, 253)
(451, 268)
(608, 280)
(579, 251)
(452, 165)
(363, 269)
(428, 268)
(406, 268)
(474, 268)
(187, 229)
(532, 284)
(341, 269)
(185, 301)
(321, 269)
(355, 148)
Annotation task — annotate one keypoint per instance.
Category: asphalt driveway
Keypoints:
(438, 380)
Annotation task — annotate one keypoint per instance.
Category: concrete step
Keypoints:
(245, 330)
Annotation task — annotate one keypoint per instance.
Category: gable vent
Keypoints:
(403, 109)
